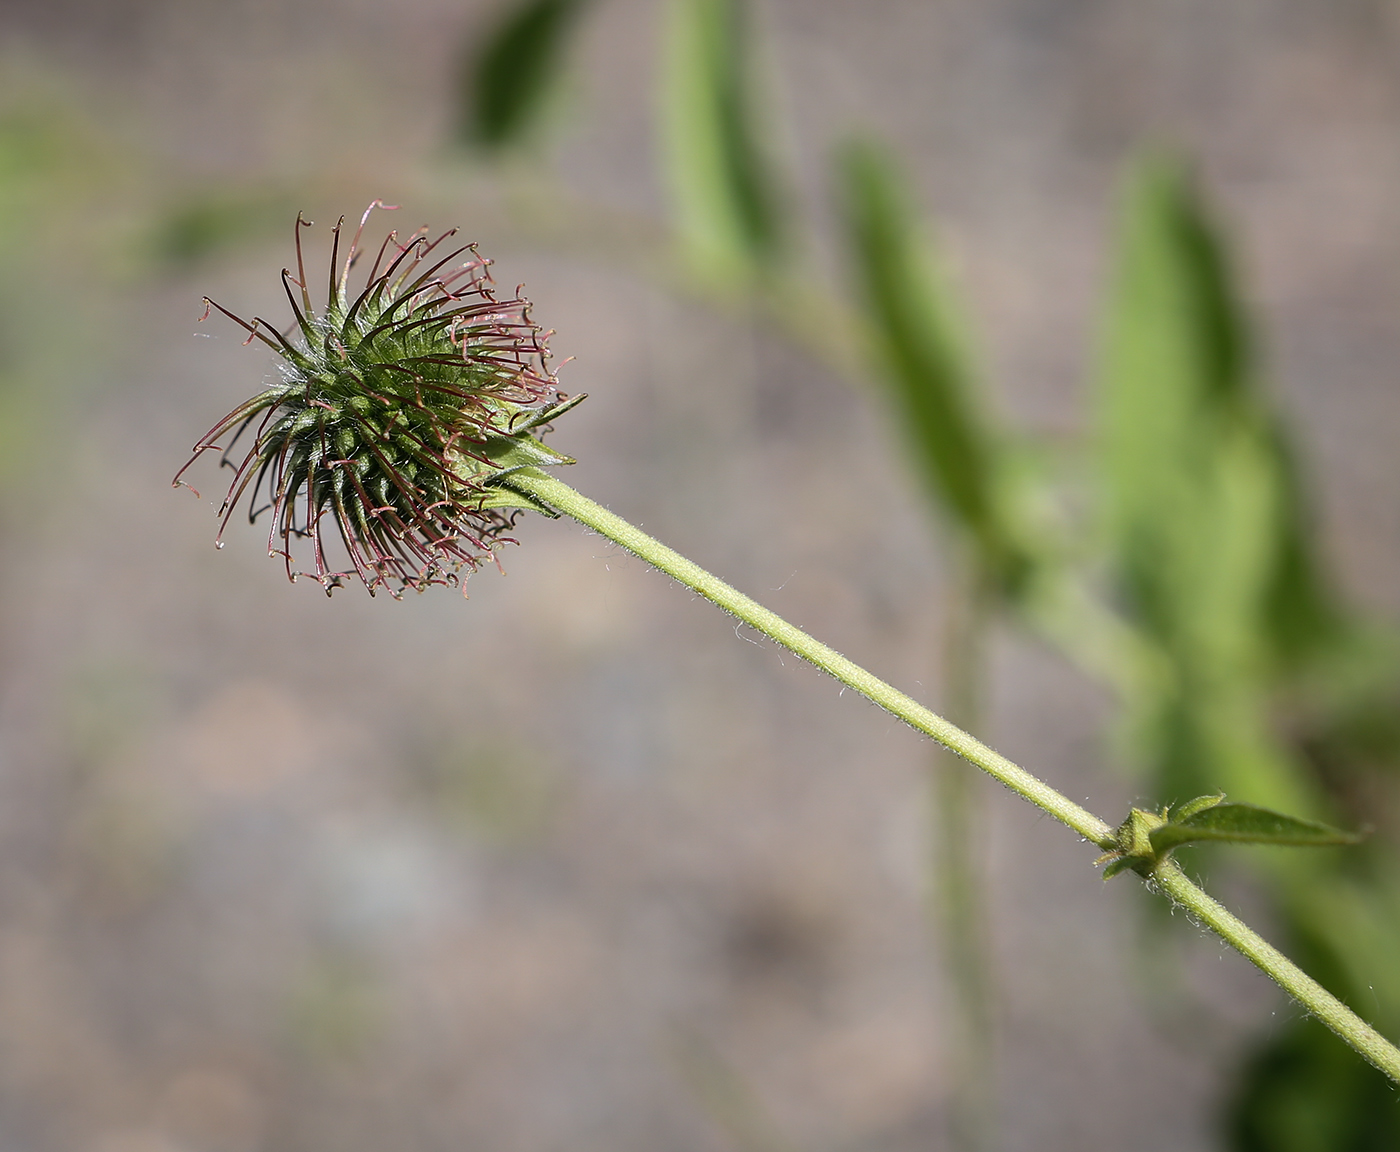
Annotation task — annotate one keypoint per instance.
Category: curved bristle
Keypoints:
(382, 413)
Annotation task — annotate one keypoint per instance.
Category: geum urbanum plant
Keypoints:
(405, 416)
(395, 417)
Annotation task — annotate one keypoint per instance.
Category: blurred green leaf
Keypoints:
(1303, 618)
(1207, 523)
(1304, 1090)
(928, 378)
(508, 76)
(1173, 355)
(51, 158)
(728, 208)
(60, 177)
(1361, 735)
(1206, 509)
(1246, 824)
(206, 223)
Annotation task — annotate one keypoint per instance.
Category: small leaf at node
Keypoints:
(1246, 824)
(1199, 804)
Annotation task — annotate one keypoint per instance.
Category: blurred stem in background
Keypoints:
(957, 820)
(925, 376)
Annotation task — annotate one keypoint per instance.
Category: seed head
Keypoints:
(396, 415)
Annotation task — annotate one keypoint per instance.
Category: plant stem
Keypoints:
(1313, 996)
(559, 496)
(1168, 875)
(957, 882)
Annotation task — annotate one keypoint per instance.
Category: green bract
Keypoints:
(396, 415)
(1145, 838)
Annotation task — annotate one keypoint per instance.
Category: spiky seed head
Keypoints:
(397, 412)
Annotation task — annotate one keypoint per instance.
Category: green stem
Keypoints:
(1337, 1016)
(559, 496)
(1292, 979)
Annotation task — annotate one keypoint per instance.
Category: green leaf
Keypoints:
(1206, 517)
(507, 78)
(515, 454)
(1121, 864)
(929, 382)
(1174, 351)
(1207, 512)
(1246, 824)
(520, 451)
(1302, 615)
(540, 419)
(728, 208)
(1200, 804)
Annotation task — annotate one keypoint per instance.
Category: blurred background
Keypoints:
(1037, 354)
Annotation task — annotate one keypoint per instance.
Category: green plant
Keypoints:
(406, 414)
(1218, 618)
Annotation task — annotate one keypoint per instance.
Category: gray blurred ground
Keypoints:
(572, 865)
